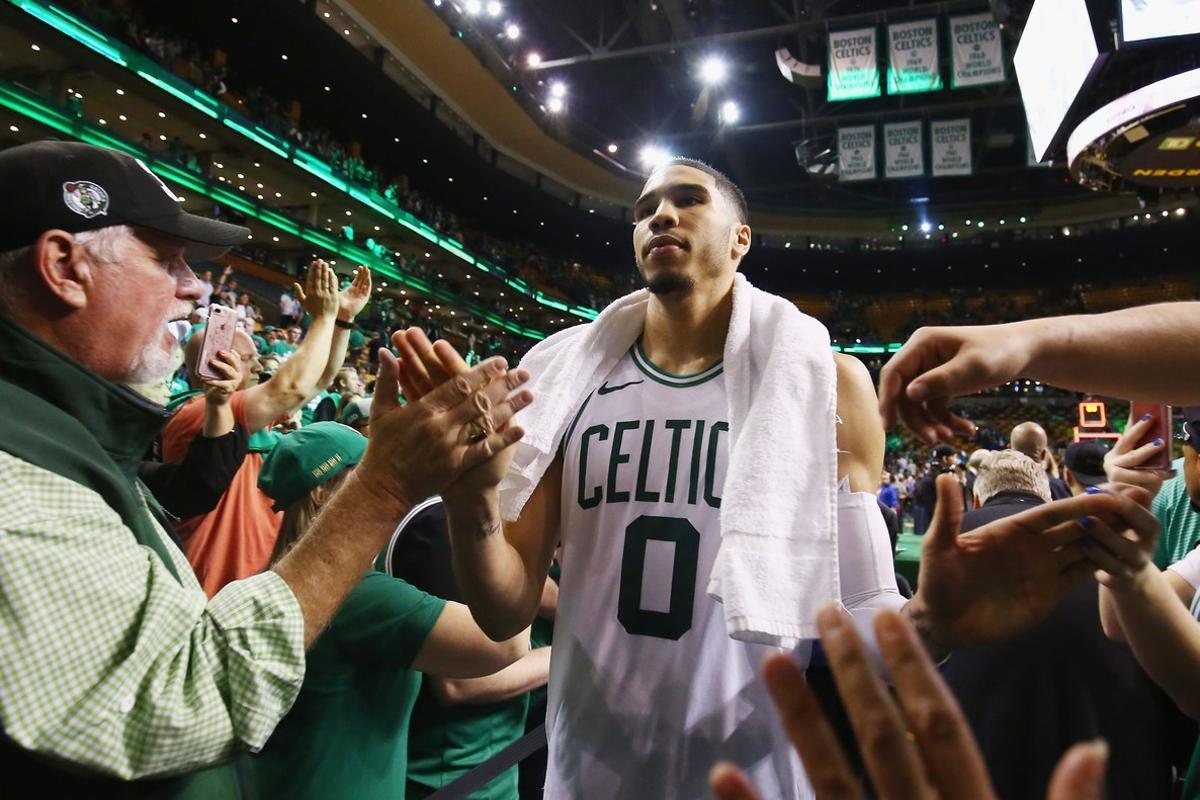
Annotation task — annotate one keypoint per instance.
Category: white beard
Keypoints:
(152, 364)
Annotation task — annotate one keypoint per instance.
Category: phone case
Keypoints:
(218, 336)
(1160, 428)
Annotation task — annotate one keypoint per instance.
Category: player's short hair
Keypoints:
(725, 186)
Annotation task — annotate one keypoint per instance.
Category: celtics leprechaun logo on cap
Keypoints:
(85, 198)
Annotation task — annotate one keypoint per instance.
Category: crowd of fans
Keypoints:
(566, 279)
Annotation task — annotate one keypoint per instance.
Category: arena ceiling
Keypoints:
(632, 77)
(630, 72)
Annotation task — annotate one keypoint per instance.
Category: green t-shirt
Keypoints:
(347, 734)
(281, 348)
(1180, 522)
(447, 741)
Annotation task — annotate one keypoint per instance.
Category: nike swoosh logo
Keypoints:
(606, 389)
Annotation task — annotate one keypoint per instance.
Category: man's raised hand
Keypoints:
(320, 296)
(354, 297)
(938, 364)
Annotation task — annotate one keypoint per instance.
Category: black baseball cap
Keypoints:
(1086, 462)
(79, 187)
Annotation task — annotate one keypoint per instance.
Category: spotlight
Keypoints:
(712, 71)
(926, 227)
(554, 105)
(533, 59)
(730, 113)
(474, 7)
(558, 89)
(494, 8)
(612, 148)
(512, 31)
(652, 155)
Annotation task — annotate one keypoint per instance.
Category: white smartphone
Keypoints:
(218, 336)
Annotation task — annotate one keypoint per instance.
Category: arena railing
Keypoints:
(39, 110)
(150, 71)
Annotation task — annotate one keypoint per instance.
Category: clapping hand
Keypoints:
(354, 297)
(320, 296)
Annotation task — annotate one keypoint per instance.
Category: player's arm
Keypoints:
(860, 437)
(298, 378)
(501, 567)
(531, 672)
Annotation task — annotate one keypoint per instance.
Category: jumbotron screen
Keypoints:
(1054, 60)
(1156, 19)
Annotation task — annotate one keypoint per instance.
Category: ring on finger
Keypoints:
(475, 431)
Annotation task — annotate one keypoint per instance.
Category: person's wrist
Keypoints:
(386, 489)
(933, 632)
(473, 499)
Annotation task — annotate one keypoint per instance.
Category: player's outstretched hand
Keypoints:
(1003, 578)
(939, 758)
(938, 364)
(418, 450)
(424, 366)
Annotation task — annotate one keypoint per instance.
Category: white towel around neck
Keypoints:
(778, 557)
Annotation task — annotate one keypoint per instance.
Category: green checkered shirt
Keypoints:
(110, 663)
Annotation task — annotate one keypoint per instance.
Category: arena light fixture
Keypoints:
(533, 59)
(1179, 212)
(102, 121)
(513, 31)
(612, 148)
(652, 155)
(925, 227)
(14, 129)
(34, 48)
(474, 7)
(713, 70)
(494, 8)
(555, 105)
(558, 89)
(730, 113)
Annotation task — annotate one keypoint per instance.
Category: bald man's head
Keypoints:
(1029, 438)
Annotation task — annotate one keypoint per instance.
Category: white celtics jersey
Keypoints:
(647, 690)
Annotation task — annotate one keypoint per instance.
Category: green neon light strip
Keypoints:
(39, 110)
(151, 72)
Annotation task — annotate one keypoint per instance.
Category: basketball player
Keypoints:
(647, 689)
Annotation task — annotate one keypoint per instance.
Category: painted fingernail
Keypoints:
(1157, 442)
(1095, 490)
(1145, 416)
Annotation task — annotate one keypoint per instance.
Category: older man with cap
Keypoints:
(117, 675)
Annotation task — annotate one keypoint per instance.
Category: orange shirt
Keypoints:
(235, 539)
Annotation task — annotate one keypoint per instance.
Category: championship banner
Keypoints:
(978, 57)
(913, 57)
(950, 147)
(856, 153)
(853, 64)
(903, 154)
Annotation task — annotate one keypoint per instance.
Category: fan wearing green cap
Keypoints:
(347, 734)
